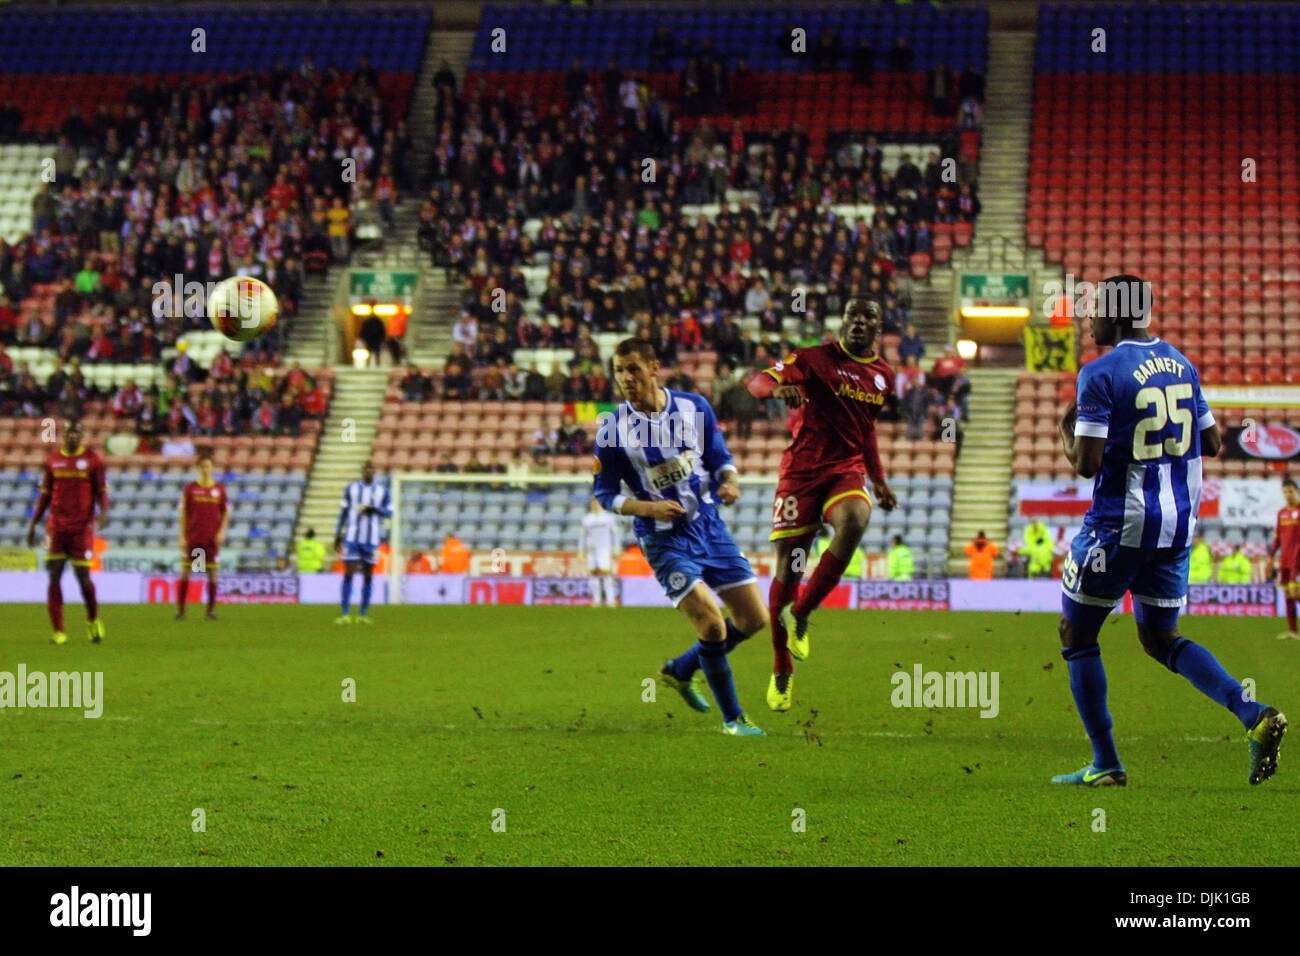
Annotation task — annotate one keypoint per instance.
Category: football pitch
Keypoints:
(525, 736)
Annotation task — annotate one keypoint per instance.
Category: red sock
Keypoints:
(829, 571)
(212, 592)
(88, 595)
(1290, 615)
(779, 595)
(54, 601)
(182, 594)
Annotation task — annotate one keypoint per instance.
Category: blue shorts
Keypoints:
(1099, 571)
(703, 551)
(365, 553)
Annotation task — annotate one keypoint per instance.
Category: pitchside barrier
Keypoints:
(529, 526)
(952, 594)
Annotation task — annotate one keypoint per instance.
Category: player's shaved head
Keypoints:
(864, 304)
(71, 434)
(1122, 309)
(862, 324)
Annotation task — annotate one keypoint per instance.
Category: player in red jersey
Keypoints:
(838, 390)
(1286, 543)
(205, 511)
(72, 484)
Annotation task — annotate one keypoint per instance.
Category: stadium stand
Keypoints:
(752, 206)
(199, 163)
(1152, 145)
(453, 436)
(174, 169)
(761, 38)
(266, 472)
(1177, 159)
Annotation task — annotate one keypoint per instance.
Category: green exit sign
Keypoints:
(382, 285)
(994, 285)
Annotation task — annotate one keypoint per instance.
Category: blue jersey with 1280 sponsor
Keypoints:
(356, 527)
(678, 455)
(1144, 398)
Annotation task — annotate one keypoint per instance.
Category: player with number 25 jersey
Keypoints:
(1138, 427)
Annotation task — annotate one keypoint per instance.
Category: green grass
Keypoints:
(539, 712)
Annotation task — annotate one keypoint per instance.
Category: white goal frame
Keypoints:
(398, 479)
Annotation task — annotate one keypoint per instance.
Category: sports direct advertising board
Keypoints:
(937, 594)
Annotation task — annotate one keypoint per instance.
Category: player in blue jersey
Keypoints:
(667, 447)
(358, 536)
(1140, 426)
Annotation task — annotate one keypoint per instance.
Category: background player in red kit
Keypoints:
(72, 485)
(1286, 551)
(839, 389)
(205, 511)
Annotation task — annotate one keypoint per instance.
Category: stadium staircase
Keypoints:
(311, 339)
(428, 338)
(1004, 169)
(983, 475)
(984, 468)
(453, 46)
(358, 400)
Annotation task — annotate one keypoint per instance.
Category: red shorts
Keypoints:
(1286, 580)
(76, 545)
(208, 549)
(803, 501)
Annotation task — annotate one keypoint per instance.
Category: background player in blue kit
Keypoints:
(358, 536)
(669, 450)
(1140, 425)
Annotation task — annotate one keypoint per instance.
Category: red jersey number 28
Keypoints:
(785, 509)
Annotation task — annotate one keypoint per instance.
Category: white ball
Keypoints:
(243, 308)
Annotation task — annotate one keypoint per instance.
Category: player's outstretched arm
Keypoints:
(773, 383)
(762, 384)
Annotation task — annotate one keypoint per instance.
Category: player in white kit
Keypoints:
(600, 540)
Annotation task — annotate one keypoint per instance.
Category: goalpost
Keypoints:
(507, 521)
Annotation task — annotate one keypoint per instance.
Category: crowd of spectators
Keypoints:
(934, 404)
(230, 399)
(621, 254)
(201, 179)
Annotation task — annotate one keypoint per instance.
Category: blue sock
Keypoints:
(1088, 685)
(734, 636)
(346, 601)
(686, 665)
(1207, 675)
(366, 580)
(713, 661)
